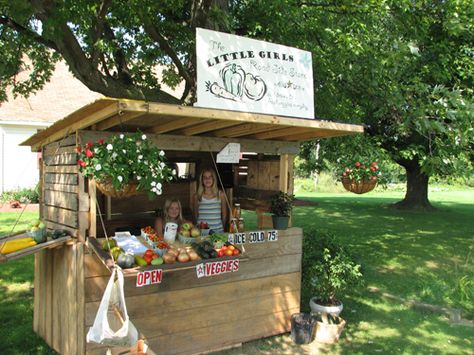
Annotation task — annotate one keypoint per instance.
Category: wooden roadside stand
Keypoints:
(183, 314)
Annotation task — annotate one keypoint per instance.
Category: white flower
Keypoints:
(96, 150)
(159, 192)
(139, 177)
(173, 172)
(162, 153)
(140, 157)
(162, 165)
(110, 146)
(98, 167)
(158, 186)
(144, 136)
(145, 162)
(121, 136)
(114, 155)
(153, 183)
(120, 178)
(124, 151)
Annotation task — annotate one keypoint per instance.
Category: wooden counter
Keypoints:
(186, 315)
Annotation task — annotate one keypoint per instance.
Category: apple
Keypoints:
(41, 225)
(185, 233)
(35, 223)
(186, 226)
(34, 229)
(195, 232)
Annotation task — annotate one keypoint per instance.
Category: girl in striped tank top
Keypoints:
(209, 202)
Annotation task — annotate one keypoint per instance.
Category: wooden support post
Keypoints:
(93, 208)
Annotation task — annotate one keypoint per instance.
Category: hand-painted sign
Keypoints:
(214, 268)
(229, 154)
(243, 74)
(149, 277)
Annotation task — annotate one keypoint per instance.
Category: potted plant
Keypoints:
(125, 164)
(281, 205)
(360, 177)
(327, 271)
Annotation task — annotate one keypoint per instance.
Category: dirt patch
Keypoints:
(6, 207)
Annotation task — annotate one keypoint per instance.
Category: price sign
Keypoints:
(257, 237)
(272, 236)
(230, 154)
(239, 238)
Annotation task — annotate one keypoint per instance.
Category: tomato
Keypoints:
(148, 259)
(220, 253)
(224, 248)
(228, 252)
(154, 256)
(236, 252)
(231, 247)
(149, 252)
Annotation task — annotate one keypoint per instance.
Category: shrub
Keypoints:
(327, 267)
(25, 195)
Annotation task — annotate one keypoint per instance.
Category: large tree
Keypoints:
(112, 46)
(404, 67)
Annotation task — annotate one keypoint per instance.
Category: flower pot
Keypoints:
(108, 189)
(329, 333)
(302, 328)
(319, 308)
(359, 187)
(280, 222)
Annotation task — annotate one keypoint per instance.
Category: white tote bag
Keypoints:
(112, 325)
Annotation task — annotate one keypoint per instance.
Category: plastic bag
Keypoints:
(112, 325)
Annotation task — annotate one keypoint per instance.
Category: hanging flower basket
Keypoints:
(125, 165)
(359, 187)
(127, 190)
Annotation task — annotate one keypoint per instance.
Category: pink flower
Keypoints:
(101, 141)
(358, 164)
(81, 163)
(79, 149)
(88, 144)
(89, 153)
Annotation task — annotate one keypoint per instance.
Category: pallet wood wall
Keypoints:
(59, 298)
(185, 315)
(64, 204)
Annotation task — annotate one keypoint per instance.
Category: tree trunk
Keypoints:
(416, 196)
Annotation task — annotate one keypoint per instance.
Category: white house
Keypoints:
(21, 117)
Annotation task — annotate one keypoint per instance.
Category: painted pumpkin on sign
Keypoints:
(254, 87)
(233, 77)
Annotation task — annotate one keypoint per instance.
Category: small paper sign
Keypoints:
(149, 277)
(215, 268)
(229, 154)
(257, 237)
(239, 238)
(272, 236)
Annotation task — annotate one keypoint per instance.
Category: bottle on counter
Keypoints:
(233, 225)
(236, 211)
(241, 225)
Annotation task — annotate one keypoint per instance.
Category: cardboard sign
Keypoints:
(149, 277)
(229, 154)
(214, 268)
(243, 74)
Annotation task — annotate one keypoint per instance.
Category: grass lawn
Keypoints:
(427, 257)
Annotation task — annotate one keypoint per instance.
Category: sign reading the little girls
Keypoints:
(149, 277)
(243, 74)
(215, 268)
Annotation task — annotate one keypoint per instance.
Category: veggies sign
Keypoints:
(243, 74)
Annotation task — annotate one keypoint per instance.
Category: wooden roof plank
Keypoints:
(241, 130)
(315, 134)
(117, 120)
(205, 127)
(175, 124)
(277, 133)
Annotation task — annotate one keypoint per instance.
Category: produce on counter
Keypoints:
(126, 260)
(11, 246)
(108, 244)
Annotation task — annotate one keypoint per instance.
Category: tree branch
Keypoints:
(99, 27)
(123, 72)
(7, 21)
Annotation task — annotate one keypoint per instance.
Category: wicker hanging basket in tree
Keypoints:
(359, 187)
(361, 178)
(125, 165)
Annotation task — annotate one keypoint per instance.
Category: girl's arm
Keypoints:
(223, 208)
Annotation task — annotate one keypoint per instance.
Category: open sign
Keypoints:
(149, 277)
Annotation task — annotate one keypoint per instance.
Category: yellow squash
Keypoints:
(11, 246)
